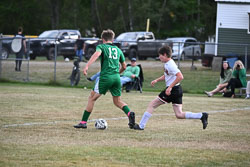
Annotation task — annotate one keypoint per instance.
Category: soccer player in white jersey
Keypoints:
(171, 94)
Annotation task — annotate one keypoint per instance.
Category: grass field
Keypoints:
(36, 127)
(42, 72)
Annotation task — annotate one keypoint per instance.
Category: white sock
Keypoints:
(190, 115)
(144, 119)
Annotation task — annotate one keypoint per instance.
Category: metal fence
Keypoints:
(58, 70)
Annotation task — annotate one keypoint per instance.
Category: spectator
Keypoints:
(239, 78)
(19, 55)
(225, 76)
(248, 90)
(79, 48)
(95, 77)
(130, 73)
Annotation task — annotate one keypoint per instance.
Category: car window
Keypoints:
(149, 36)
(127, 37)
(49, 34)
(65, 35)
(73, 35)
(189, 42)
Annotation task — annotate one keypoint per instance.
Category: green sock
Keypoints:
(85, 115)
(125, 109)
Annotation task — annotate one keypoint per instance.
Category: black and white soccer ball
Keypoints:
(101, 124)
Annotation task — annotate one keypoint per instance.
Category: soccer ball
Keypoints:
(101, 124)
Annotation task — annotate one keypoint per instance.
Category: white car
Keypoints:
(185, 48)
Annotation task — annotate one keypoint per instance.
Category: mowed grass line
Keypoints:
(166, 141)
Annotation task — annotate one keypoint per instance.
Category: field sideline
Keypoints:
(36, 127)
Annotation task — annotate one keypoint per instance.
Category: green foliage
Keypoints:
(175, 18)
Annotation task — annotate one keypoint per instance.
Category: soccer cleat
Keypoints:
(137, 127)
(80, 125)
(204, 119)
(131, 118)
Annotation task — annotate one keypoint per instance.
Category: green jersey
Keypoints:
(110, 58)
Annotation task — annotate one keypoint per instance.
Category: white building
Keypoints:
(233, 26)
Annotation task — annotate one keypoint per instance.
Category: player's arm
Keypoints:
(178, 79)
(123, 67)
(162, 78)
(93, 58)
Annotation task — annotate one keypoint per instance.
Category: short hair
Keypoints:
(20, 29)
(165, 49)
(108, 35)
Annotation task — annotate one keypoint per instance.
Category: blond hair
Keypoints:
(238, 62)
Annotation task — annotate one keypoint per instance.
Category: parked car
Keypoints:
(128, 41)
(150, 48)
(6, 47)
(44, 45)
(185, 47)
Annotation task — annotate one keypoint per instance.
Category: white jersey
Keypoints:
(170, 71)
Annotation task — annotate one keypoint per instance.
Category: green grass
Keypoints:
(50, 139)
(42, 72)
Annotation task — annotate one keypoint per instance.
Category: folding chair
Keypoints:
(137, 83)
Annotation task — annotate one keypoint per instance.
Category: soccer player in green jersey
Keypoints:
(110, 57)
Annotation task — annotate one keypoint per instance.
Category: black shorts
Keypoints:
(175, 97)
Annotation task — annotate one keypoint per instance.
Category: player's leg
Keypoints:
(190, 115)
(115, 90)
(91, 101)
(150, 109)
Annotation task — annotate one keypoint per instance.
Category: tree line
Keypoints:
(168, 18)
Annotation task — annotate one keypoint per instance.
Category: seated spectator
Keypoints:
(130, 73)
(239, 78)
(248, 90)
(225, 76)
(95, 77)
(127, 76)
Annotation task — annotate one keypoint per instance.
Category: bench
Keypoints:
(242, 89)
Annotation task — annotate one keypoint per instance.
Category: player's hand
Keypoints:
(153, 82)
(132, 76)
(85, 70)
(168, 91)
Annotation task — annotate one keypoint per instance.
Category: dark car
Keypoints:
(46, 42)
(6, 47)
(128, 41)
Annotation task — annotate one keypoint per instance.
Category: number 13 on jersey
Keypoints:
(113, 53)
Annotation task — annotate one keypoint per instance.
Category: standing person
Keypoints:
(130, 73)
(110, 57)
(79, 48)
(225, 76)
(19, 55)
(171, 94)
(239, 78)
